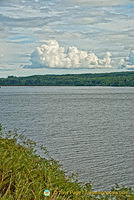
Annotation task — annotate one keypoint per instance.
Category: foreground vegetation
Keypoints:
(25, 175)
(102, 79)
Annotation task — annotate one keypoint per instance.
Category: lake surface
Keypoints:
(88, 129)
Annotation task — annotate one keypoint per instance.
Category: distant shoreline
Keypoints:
(113, 79)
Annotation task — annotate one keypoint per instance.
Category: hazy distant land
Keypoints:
(99, 79)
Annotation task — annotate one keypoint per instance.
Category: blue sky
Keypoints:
(65, 36)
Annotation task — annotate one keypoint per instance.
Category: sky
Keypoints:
(66, 36)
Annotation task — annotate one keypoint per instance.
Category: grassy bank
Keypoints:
(24, 175)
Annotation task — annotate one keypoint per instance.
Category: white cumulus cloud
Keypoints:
(52, 55)
(128, 62)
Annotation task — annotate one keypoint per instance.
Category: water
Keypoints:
(88, 129)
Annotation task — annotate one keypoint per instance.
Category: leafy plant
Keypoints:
(25, 175)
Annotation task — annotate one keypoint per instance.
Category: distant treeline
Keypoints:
(98, 79)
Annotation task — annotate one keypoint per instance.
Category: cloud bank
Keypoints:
(128, 62)
(98, 2)
(52, 55)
